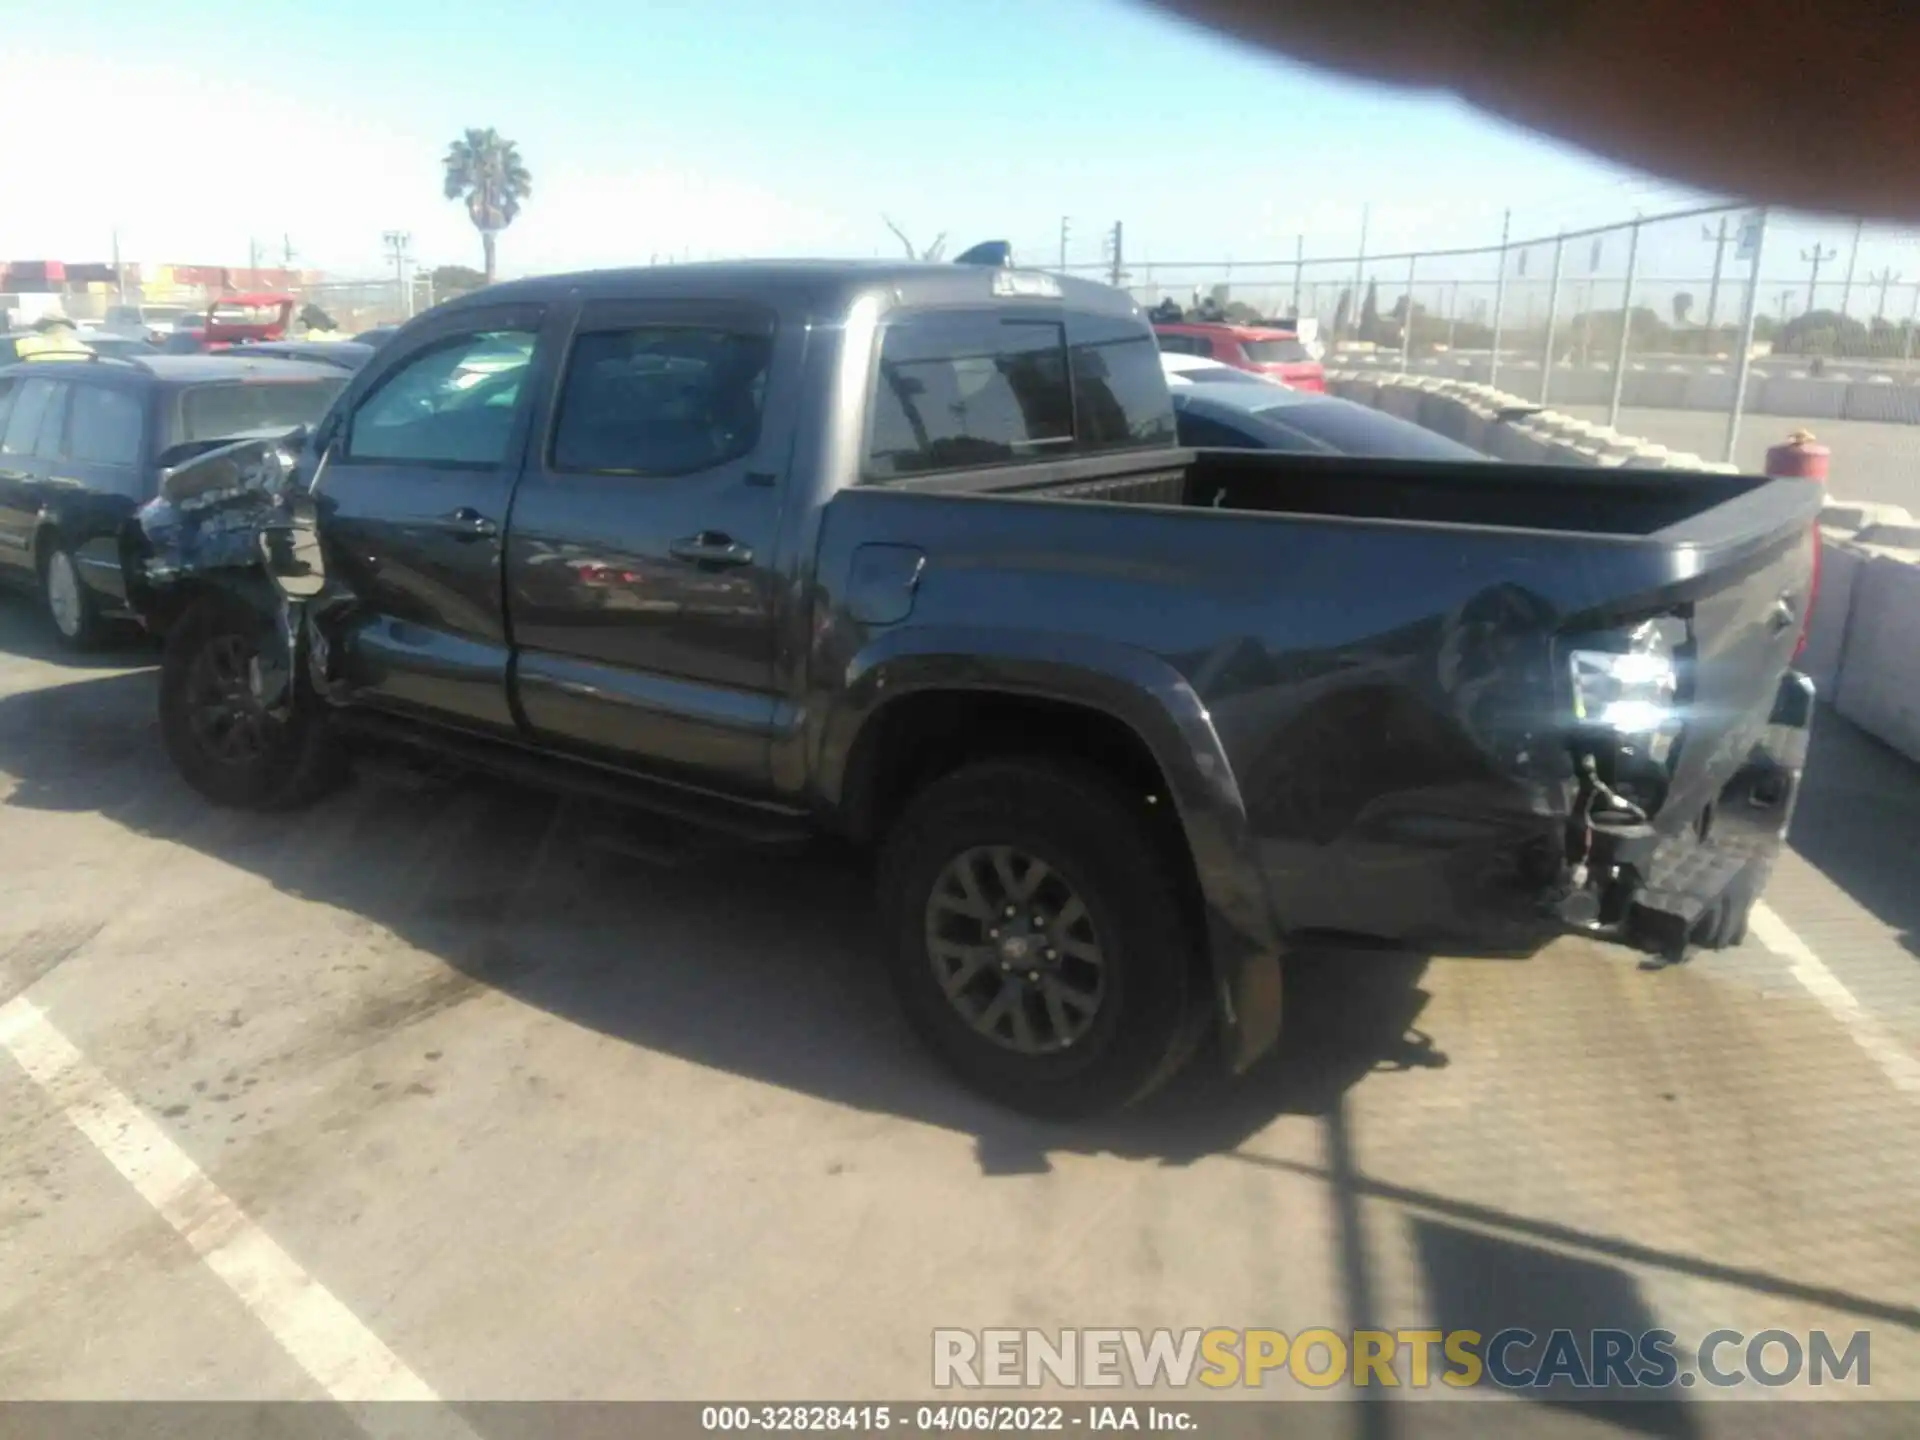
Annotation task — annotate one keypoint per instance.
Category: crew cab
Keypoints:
(909, 555)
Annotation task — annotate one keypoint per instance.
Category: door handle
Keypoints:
(710, 547)
(467, 523)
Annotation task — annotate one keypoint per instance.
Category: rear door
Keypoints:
(100, 479)
(34, 437)
(420, 465)
(641, 569)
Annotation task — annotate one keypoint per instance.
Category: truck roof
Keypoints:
(829, 285)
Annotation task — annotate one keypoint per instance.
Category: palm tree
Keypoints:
(485, 170)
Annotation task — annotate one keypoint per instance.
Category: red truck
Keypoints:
(235, 320)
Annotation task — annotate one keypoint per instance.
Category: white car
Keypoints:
(1199, 370)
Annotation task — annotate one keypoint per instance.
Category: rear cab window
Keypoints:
(1276, 352)
(219, 410)
(973, 388)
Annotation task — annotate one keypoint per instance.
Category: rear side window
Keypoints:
(1178, 344)
(1119, 390)
(220, 412)
(106, 424)
(661, 400)
(958, 389)
(30, 407)
(1276, 352)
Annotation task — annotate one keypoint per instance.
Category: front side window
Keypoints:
(661, 400)
(969, 388)
(106, 425)
(453, 404)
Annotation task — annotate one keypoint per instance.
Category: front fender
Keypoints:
(1154, 701)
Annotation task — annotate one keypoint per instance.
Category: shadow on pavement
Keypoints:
(1858, 822)
(756, 963)
(26, 632)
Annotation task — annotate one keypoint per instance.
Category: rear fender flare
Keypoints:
(1152, 699)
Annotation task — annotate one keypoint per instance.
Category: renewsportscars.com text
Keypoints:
(1321, 1358)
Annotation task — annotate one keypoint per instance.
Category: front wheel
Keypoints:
(226, 744)
(1037, 941)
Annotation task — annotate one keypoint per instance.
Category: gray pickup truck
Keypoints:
(910, 555)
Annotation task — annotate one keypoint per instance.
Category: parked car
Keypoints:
(341, 354)
(110, 345)
(1235, 415)
(1182, 369)
(83, 442)
(1277, 354)
(910, 555)
(150, 322)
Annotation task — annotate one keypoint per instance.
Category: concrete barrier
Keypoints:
(1656, 389)
(1586, 386)
(1879, 685)
(1840, 563)
(1713, 390)
(1852, 515)
(1883, 399)
(1803, 397)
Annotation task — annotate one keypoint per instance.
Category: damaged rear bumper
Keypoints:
(1654, 885)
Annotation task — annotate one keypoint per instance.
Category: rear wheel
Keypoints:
(1724, 926)
(67, 601)
(224, 742)
(1038, 943)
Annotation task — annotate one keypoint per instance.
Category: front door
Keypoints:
(641, 571)
(419, 468)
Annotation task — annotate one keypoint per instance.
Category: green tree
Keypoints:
(1370, 312)
(1682, 307)
(451, 280)
(1342, 313)
(484, 169)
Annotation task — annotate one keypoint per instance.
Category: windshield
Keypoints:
(216, 411)
(1276, 352)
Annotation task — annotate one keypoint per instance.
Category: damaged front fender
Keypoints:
(210, 514)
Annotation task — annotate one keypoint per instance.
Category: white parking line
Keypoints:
(1826, 987)
(346, 1359)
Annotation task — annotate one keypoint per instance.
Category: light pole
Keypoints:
(399, 246)
(1853, 259)
(1816, 257)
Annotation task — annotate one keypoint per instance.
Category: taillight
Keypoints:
(1813, 593)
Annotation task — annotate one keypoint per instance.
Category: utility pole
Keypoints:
(399, 245)
(286, 250)
(1117, 240)
(1066, 228)
(119, 281)
(253, 254)
(1360, 270)
(1553, 318)
(1853, 259)
(1785, 299)
(1299, 263)
(1884, 279)
(1713, 286)
(1626, 329)
(1499, 298)
(1913, 323)
(1754, 241)
(1816, 257)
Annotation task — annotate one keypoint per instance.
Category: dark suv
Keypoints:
(83, 443)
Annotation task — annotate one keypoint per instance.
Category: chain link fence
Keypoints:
(1678, 324)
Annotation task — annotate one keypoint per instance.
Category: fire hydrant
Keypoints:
(1798, 459)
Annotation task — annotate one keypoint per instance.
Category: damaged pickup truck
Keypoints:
(908, 554)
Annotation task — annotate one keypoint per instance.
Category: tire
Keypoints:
(1095, 843)
(283, 764)
(1725, 925)
(70, 606)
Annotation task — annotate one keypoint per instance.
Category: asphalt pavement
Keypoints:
(456, 1090)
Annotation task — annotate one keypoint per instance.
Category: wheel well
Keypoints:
(918, 738)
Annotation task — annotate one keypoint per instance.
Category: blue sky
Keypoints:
(752, 127)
